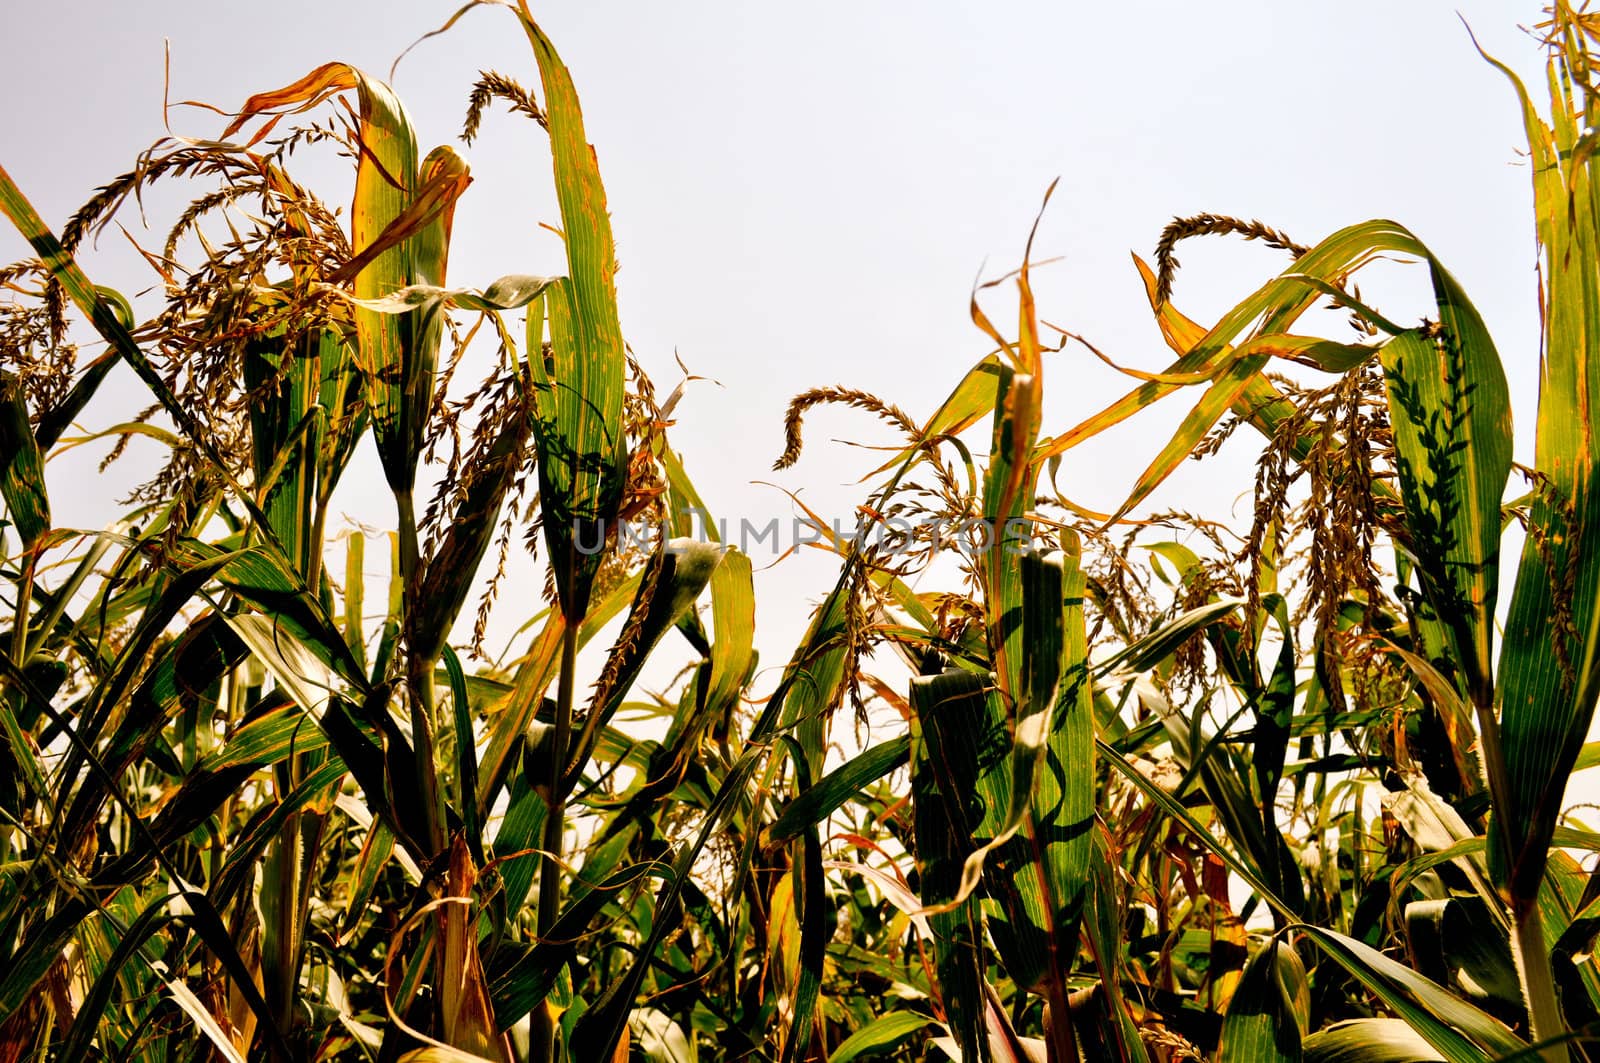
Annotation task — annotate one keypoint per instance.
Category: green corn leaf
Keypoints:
(517, 716)
(1550, 661)
(814, 679)
(1458, 1031)
(1455, 941)
(1026, 610)
(1008, 491)
(1039, 881)
(270, 825)
(971, 400)
(1266, 1017)
(952, 711)
(389, 635)
(1103, 921)
(687, 514)
(878, 1036)
(1263, 406)
(1222, 395)
(466, 753)
(1063, 784)
(376, 850)
(1183, 559)
(1451, 415)
(521, 829)
(306, 414)
(22, 775)
(583, 454)
(812, 898)
(1274, 712)
(1569, 927)
(1435, 827)
(270, 738)
(1159, 644)
(1369, 1041)
(1234, 386)
(378, 756)
(288, 432)
(21, 466)
(441, 180)
(295, 618)
(56, 627)
(733, 654)
(1233, 372)
(355, 596)
(816, 803)
(341, 395)
(186, 673)
(707, 704)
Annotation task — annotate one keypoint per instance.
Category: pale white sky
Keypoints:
(803, 194)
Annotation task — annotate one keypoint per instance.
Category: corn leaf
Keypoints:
(1369, 1041)
(958, 742)
(1231, 360)
(1451, 414)
(1550, 661)
(583, 455)
(21, 466)
(400, 225)
(1456, 1029)
(1264, 1023)
(878, 1036)
(817, 802)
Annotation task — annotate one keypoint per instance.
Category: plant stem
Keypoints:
(19, 624)
(554, 826)
(1538, 981)
(283, 878)
(419, 676)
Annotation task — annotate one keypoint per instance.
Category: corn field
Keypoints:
(1139, 785)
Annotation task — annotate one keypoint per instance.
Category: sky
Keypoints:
(805, 195)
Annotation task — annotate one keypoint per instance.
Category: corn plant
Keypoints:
(1278, 686)
(240, 818)
(1135, 789)
(1431, 481)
